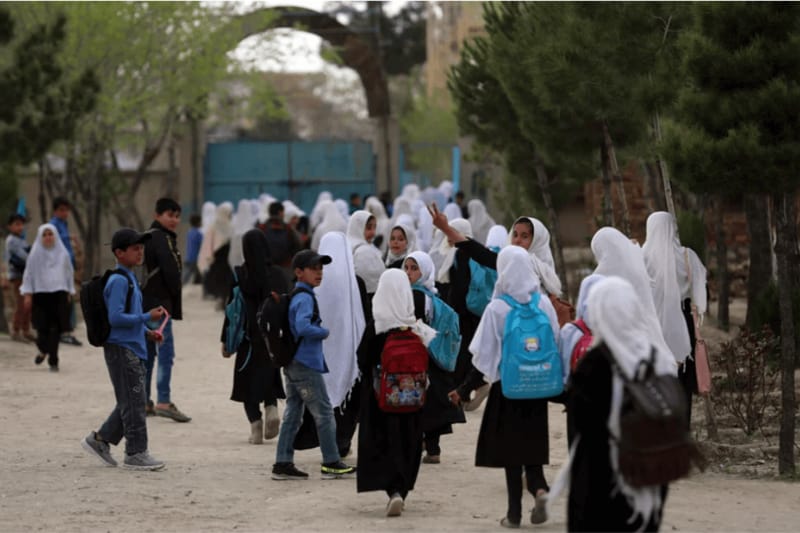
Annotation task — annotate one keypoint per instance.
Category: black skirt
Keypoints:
(513, 432)
(255, 380)
(50, 310)
(438, 413)
(219, 278)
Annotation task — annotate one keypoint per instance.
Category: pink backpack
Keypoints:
(582, 346)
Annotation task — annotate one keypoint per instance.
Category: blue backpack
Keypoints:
(235, 313)
(481, 286)
(530, 367)
(445, 346)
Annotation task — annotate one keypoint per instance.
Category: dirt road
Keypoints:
(215, 481)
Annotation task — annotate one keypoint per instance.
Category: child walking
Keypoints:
(16, 252)
(514, 433)
(125, 356)
(194, 239)
(305, 388)
(47, 286)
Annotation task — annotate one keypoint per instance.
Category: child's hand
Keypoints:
(224, 353)
(439, 219)
(455, 399)
(156, 313)
(154, 336)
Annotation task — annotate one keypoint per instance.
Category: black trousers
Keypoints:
(253, 409)
(534, 476)
(50, 317)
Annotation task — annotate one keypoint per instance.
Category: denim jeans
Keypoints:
(165, 353)
(190, 272)
(126, 371)
(306, 388)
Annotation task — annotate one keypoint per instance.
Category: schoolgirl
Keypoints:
(679, 292)
(479, 219)
(366, 258)
(599, 498)
(514, 433)
(213, 258)
(255, 379)
(389, 444)
(47, 285)
(439, 414)
(331, 219)
(402, 241)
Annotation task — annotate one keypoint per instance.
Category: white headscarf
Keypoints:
(452, 211)
(618, 319)
(317, 216)
(616, 255)
(424, 228)
(446, 188)
(217, 236)
(382, 223)
(367, 258)
(393, 306)
(571, 334)
(542, 257)
(433, 195)
(479, 219)
(344, 209)
(48, 269)
(341, 311)
(290, 210)
(662, 254)
(426, 268)
(411, 243)
(517, 279)
(497, 237)
(402, 206)
(331, 221)
(448, 252)
(242, 222)
(411, 192)
(209, 209)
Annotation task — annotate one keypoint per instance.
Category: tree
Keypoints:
(739, 131)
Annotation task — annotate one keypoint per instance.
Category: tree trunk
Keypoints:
(655, 200)
(555, 226)
(785, 227)
(662, 167)
(723, 318)
(759, 275)
(614, 167)
(711, 421)
(608, 208)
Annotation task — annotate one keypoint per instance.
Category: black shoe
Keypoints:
(53, 368)
(337, 470)
(70, 339)
(285, 471)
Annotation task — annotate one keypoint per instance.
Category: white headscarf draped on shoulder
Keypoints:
(517, 279)
(616, 255)
(48, 269)
(424, 228)
(411, 243)
(217, 236)
(618, 320)
(570, 333)
(367, 258)
(393, 306)
(542, 256)
(208, 215)
(242, 222)
(426, 268)
(447, 252)
(342, 314)
(317, 215)
(479, 219)
(331, 221)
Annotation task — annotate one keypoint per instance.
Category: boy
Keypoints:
(304, 384)
(61, 209)
(16, 255)
(283, 241)
(125, 354)
(194, 239)
(162, 287)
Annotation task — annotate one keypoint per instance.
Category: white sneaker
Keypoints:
(395, 505)
(273, 422)
(480, 394)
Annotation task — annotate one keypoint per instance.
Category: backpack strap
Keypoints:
(534, 303)
(130, 289)
(581, 325)
(298, 290)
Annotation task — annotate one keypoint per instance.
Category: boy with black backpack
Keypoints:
(305, 387)
(125, 353)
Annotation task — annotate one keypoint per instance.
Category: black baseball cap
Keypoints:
(127, 237)
(309, 258)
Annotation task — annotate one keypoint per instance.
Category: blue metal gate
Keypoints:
(297, 171)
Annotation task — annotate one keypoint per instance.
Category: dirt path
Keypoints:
(216, 481)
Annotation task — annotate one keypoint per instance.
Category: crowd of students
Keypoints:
(367, 280)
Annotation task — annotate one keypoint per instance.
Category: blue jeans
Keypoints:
(166, 355)
(306, 388)
(126, 371)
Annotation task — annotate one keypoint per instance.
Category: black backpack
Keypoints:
(278, 238)
(273, 323)
(93, 306)
(655, 447)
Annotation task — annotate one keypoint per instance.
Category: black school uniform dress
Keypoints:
(219, 278)
(593, 504)
(455, 294)
(438, 414)
(389, 444)
(255, 379)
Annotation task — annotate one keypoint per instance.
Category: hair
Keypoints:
(354, 195)
(167, 204)
(526, 221)
(59, 201)
(195, 220)
(302, 224)
(460, 194)
(16, 216)
(275, 209)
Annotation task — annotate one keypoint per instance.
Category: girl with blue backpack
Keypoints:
(438, 414)
(515, 350)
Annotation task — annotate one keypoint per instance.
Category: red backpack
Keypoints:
(582, 346)
(402, 378)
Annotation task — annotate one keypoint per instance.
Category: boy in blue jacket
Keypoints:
(125, 355)
(304, 383)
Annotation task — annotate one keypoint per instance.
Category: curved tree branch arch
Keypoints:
(353, 49)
